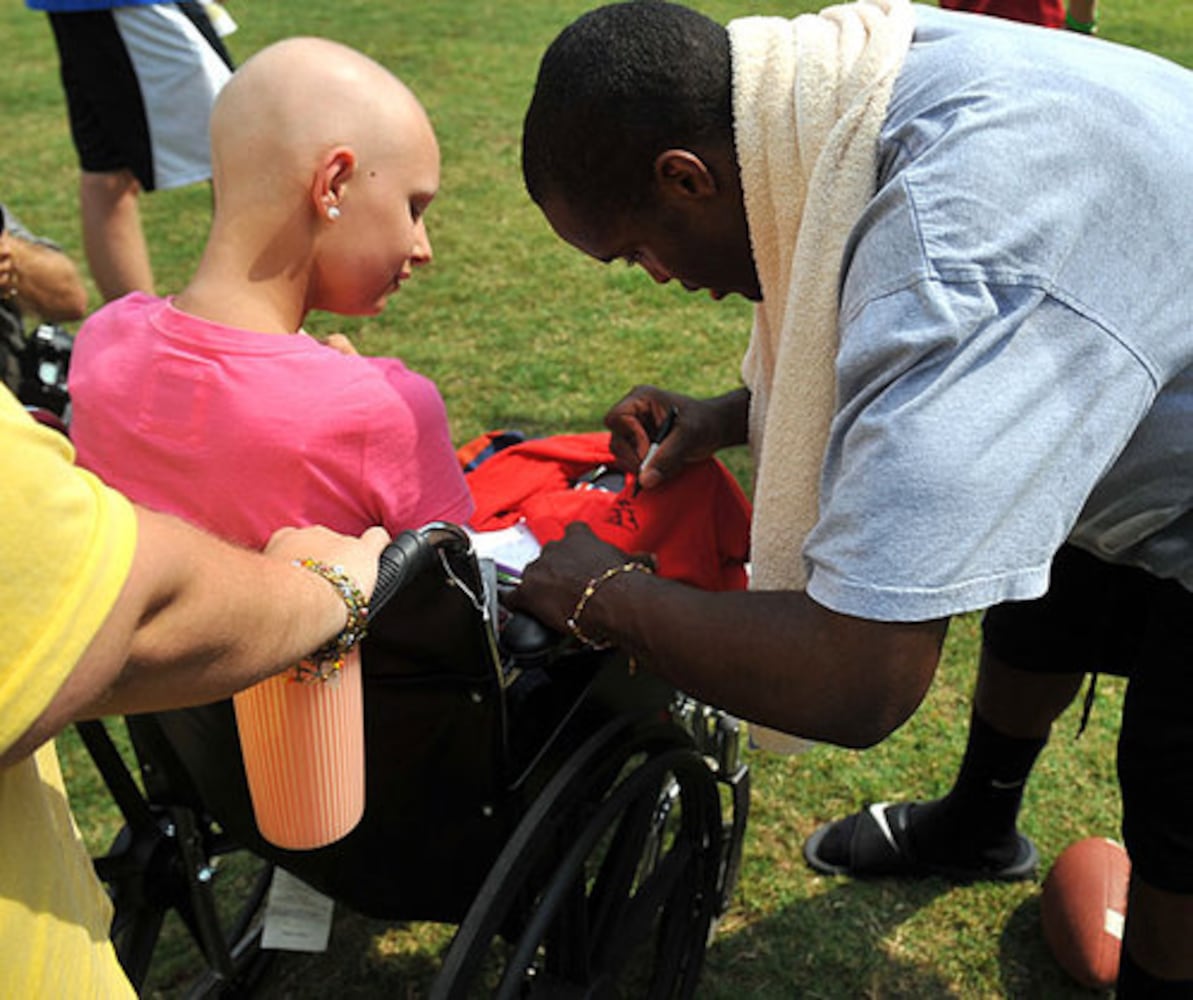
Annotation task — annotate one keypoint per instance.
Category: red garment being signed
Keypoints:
(697, 526)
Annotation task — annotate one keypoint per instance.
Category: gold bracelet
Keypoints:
(573, 621)
(326, 661)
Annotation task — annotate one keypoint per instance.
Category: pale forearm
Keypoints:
(214, 619)
(198, 619)
(46, 282)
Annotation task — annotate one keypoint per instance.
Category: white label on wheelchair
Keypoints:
(297, 917)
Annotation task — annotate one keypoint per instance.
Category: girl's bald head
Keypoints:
(292, 101)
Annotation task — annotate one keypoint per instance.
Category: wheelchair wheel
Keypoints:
(217, 891)
(608, 885)
(174, 859)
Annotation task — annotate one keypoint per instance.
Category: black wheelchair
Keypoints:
(580, 821)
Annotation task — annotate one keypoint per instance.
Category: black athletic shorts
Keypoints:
(1103, 618)
(139, 84)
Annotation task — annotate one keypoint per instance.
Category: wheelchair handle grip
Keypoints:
(409, 555)
(401, 560)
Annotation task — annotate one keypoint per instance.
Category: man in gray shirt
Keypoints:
(1012, 416)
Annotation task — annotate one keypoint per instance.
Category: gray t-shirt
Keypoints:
(1016, 327)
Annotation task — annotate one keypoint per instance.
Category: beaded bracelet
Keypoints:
(573, 621)
(327, 661)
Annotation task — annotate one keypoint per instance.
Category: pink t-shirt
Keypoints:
(243, 433)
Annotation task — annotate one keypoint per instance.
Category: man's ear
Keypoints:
(683, 175)
(331, 178)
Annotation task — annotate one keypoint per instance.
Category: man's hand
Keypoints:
(702, 427)
(775, 657)
(553, 583)
(42, 280)
(359, 557)
(338, 342)
(9, 277)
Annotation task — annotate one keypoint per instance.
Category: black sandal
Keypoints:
(880, 845)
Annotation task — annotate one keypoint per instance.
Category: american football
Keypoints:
(1083, 908)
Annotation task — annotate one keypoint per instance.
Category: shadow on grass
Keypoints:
(849, 942)
(365, 958)
(1029, 972)
(789, 954)
(783, 955)
(842, 944)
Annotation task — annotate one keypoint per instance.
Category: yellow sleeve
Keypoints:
(66, 547)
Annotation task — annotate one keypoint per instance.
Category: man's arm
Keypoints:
(198, 619)
(776, 658)
(42, 279)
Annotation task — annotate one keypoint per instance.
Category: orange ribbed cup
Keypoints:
(304, 754)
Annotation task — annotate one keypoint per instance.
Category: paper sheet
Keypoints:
(510, 548)
(297, 917)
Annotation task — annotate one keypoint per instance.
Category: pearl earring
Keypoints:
(333, 213)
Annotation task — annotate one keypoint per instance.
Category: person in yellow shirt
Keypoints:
(110, 608)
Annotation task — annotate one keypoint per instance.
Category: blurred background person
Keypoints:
(140, 78)
(1080, 16)
(37, 281)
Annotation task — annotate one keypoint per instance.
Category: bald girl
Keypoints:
(323, 163)
(215, 404)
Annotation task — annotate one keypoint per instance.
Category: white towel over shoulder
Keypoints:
(809, 98)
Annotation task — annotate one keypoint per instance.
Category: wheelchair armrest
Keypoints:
(525, 637)
(529, 644)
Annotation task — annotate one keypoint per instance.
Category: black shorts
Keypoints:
(139, 84)
(1102, 618)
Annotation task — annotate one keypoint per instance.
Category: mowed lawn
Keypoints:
(520, 331)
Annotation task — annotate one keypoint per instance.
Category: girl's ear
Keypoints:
(682, 174)
(331, 181)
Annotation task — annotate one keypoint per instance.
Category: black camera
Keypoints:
(45, 362)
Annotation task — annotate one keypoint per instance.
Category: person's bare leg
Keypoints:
(973, 827)
(1013, 712)
(113, 240)
(1021, 704)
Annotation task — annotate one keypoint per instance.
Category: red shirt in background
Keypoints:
(1049, 13)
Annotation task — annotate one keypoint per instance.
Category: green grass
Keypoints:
(519, 330)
